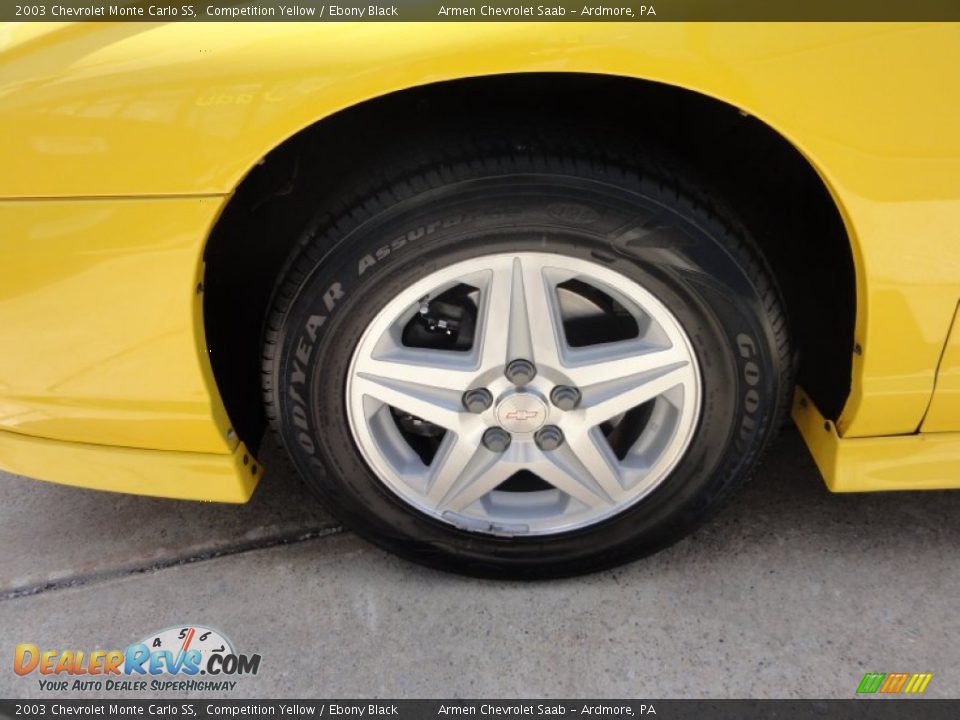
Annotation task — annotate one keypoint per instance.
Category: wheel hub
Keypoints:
(521, 413)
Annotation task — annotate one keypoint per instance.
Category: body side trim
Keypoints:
(901, 462)
(190, 476)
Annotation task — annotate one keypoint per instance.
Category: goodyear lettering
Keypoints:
(314, 323)
(751, 375)
(303, 351)
(298, 375)
(330, 297)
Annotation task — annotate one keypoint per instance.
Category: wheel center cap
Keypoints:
(521, 413)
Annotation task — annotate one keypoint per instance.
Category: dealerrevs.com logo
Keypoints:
(184, 658)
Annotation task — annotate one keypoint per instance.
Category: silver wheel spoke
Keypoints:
(520, 317)
(495, 316)
(584, 452)
(480, 477)
(436, 405)
(616, 361)
(456, 458)
(563, 469)
(433, 367)
(607, 400)
(539, 302)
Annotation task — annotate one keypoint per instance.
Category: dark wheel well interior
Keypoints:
(763, 177)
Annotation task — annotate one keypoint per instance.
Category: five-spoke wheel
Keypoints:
(542, 420)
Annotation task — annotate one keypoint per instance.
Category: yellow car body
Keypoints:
(123, 143)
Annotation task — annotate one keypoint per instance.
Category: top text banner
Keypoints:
(476, 11)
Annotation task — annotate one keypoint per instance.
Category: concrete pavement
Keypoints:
(55, 536)
(790, 592)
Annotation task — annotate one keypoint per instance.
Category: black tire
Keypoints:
(552, 195)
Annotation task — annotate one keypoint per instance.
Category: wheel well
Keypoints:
(771, 186)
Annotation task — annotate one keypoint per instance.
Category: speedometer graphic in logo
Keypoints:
(184, 638)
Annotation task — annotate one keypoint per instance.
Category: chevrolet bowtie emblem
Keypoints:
(522, 415)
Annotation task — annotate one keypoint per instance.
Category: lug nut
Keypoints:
(496, 439)
(549, 437)
(565, 397)
(520, 372)
(477, 400)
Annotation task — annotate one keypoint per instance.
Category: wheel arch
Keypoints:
(752, 164)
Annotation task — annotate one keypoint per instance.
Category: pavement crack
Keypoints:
(239, 548)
